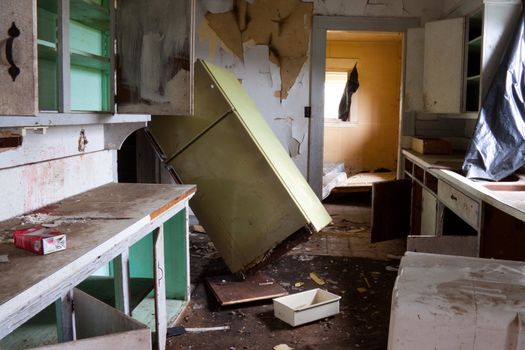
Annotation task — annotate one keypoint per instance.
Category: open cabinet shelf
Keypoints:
(87, 60)
(473, 61)
(90, 13)
(89, 46)
(69, 66)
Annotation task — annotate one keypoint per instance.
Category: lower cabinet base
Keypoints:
(451, 245)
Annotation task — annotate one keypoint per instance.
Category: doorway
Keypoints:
(322, 25)
(362, 89)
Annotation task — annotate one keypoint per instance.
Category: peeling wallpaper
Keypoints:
(261, 77)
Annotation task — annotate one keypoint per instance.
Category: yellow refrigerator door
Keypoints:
(251, 198)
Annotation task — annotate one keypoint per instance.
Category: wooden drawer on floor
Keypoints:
(461, 204)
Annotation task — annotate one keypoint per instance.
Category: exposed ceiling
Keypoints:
(363, 36)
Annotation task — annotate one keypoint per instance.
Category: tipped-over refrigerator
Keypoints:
(251, 198)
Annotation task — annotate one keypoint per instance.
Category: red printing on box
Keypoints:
(40, 240)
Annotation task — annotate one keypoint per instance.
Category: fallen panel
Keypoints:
(251, 198)
(230, 290)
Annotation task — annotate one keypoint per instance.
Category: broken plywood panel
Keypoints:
(284, 26)
(230, 290)
(226, 24)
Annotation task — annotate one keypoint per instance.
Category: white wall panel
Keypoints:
(31, 186)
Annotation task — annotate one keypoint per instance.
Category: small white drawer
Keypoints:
(461, 204)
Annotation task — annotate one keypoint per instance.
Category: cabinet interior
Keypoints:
(89, 48)
(473, 61)
(453, 225)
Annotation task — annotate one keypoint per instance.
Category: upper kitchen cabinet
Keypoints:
(155, 60)
(77, 55)
(443, 66)
(18, 94)
(457, 58)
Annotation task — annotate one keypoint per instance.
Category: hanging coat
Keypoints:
(352, 84)
(497, 148)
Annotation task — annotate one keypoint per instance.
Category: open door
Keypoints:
(18, 72)
(155, 57)
(390, 210)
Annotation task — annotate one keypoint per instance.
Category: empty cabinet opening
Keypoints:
(453, 225)
(361, 101)
(137, 161)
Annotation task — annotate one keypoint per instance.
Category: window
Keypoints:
(335, 82)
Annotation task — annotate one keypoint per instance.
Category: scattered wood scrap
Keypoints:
(230, 290)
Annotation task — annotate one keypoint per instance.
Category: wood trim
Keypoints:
(65, 317)
(64, 66)
(171, 204)
(318, 51)
(121, 273)
(160, 288)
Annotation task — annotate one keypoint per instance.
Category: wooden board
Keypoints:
(363, 182)
(112, 329)
(102, 223)
(230, 290)
(425, 145)
(390, 210)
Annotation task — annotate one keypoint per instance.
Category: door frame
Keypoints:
(317, 75)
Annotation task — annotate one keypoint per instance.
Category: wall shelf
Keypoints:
(90, 13)
(84, 59)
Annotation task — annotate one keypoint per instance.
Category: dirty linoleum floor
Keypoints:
(362, 273)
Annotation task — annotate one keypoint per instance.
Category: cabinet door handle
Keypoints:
(13, 33)
(454, 198)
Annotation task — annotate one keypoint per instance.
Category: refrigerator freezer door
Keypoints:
(251, 197)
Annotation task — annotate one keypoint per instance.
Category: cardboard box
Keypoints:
(425, 145)
(304, 307)
(40, 240)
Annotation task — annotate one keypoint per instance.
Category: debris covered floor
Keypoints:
(362, 273)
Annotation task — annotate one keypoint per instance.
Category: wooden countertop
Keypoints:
(100, 224)
(510, 202)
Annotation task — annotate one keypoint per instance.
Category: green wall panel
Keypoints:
(175, 256)
(141, 258)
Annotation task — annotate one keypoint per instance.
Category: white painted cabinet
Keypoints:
(66, 56)
(443, 66)
(451, 62)
(18, 82)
